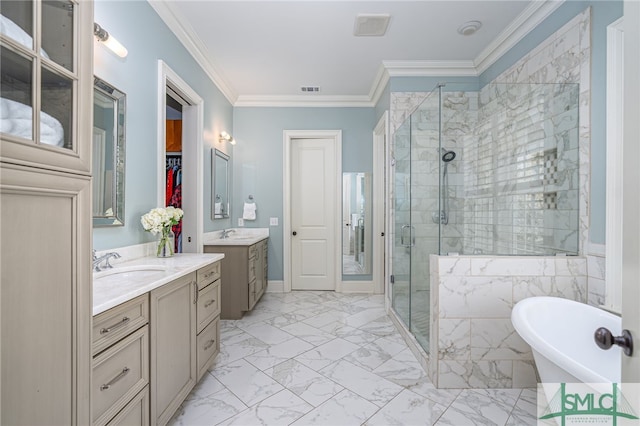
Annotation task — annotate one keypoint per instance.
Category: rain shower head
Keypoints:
(447, 156)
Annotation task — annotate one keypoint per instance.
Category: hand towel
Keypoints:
(249, 211)
(217, 208)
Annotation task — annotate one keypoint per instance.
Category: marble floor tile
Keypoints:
(304, 382)
(209, 410)
(366, 384)
(265, 332)
(344, 409)
(281, 352)
(282, 408)
(325, 358)
(408, 408)
(326, 354)
(310, 334)
(248, 383)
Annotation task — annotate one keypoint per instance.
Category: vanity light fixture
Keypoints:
(226, 137)
(109, 41)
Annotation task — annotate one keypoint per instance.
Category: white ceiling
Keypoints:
(262, 52)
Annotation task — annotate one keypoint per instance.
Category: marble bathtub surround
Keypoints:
(356, 370)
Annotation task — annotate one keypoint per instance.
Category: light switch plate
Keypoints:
(240, 221)
(273, 221)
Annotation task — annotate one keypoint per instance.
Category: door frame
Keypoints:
(380, 191)
(288, 136)
(192, 129)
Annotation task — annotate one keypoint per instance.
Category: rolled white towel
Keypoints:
(16, 119)
(249, 211)
(13, 30)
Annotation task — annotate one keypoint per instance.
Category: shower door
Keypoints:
(416, 185)
(401, 257)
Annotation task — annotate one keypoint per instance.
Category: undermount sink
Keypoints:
(134, 271)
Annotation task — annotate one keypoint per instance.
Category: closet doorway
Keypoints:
(180, 156)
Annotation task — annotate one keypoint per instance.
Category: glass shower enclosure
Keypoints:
(491, 172)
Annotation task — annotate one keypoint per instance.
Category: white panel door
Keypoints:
(313, 206)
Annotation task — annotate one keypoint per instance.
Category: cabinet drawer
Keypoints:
(208, 274)
(208, 346)
(119, 373)
(208, 305)
(112, 325)
(136, 412)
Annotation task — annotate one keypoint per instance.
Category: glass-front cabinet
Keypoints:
(42, 97)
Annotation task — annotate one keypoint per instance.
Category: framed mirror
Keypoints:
(109, 106)
(356, 224)
(219, 184)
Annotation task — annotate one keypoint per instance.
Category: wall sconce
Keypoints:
(226, 137)
(109, 41)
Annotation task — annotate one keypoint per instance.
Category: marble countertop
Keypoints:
(237, 237)
(130, 279)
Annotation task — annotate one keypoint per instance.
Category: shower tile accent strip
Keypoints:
(472, 299)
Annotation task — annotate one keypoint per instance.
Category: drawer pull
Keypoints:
(124, 372)
(209, 344)
(209, 303)
(123, 322)
(209, 274)
(197, 296)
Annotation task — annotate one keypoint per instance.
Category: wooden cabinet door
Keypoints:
(173, 346)
(45, 283)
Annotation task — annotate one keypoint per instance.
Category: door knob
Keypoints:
(604, 339)
(295, 233)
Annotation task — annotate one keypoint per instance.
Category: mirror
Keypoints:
(108, 154)
(356, 224)
(220, 184)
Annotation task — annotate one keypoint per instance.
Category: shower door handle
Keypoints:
(412, 241)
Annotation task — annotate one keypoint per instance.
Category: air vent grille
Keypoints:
(310, 89)
(371, 25)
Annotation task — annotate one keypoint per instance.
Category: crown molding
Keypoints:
(524, 23)
(530, 18)
(379, 84)
(430, 68)
(305, 101)
(196, 48)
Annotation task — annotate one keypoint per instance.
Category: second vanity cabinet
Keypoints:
(244, 276)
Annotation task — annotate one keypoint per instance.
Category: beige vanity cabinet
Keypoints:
(208, 316)
(244, 276)
(45, 213)
(120, 386)
(173, 346)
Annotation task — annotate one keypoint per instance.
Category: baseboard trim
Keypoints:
(357, 287)
(275, 286)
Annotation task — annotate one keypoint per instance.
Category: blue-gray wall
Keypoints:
(258, 159)
(139, 28)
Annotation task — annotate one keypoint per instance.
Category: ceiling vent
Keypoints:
(310, 89)
(371, 25)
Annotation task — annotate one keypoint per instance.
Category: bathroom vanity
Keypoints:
(244, 272)
(155, 333)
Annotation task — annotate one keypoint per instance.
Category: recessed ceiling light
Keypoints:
(469, 28)
(371, 24)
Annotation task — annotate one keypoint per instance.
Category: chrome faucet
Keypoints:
(104, 258)
(225, 233)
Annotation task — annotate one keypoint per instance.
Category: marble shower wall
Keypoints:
(472, 299)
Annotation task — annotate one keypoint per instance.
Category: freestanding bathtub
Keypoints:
(560, 333)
